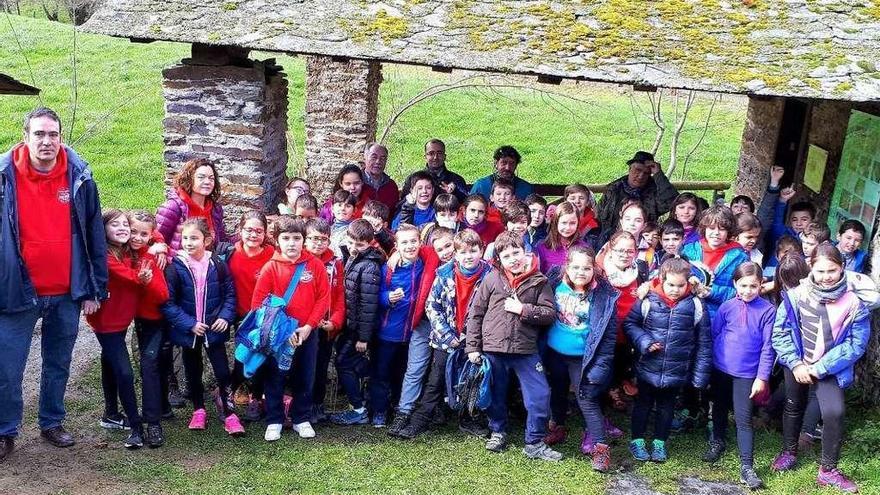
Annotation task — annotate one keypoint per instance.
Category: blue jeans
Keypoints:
(117, 377)
(60, 326)
(389, 365)
(535, 391)
(302, 379)
(418, 359)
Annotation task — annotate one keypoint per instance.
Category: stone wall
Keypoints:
(342, 98)
(828, 123)
(758, 151)
(235, 116)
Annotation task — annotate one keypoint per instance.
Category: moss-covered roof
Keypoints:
(10, 86)
(811, 48)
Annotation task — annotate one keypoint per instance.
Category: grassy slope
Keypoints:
(118, 125)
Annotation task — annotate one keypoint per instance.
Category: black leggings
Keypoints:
(730, 391)
(192, 367)
(831, 404)
(650, 395)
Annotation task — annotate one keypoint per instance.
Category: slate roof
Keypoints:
(10, 86)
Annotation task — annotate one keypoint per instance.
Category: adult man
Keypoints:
(435, 164)
(645, 183)
(506, 160)
(52, 265)
(375, 160)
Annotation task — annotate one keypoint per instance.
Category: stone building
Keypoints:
(809, 69)
(10, 86)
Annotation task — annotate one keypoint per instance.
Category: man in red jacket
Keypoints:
(52, 265)
(375, 160)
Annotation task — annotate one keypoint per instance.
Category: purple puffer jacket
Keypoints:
(171, 215)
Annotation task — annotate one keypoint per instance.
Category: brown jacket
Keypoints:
(491, 328)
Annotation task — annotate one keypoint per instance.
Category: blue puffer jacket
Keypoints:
(598, 362)
(687, 344)
(850, 341)
(180, 309)
(722, 282)
(88, 274)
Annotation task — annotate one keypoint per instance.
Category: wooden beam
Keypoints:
(445, 70)
(545, 79)
(646, 88)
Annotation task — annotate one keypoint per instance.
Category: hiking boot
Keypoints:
(541, 452)
(273, 432)
(175, 398)
(401, 419)
(199, 417)
(601, 458)
(555, 434)
(114, 422)
(638, 450)
(254, 411)
(749, 477)
(58, 436)
(412, 430)
(784, 461)
(834, 478)
(473, 426)
(304, 430)
(155, 436)
(611, 431)
(379, 420)
(7, 445)
(350, 417)
(588, 446)
(715, 451)
(233, 426)
(135, 440)
(658, 451)
(497, 442)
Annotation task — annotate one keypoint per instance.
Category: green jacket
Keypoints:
(657, 197)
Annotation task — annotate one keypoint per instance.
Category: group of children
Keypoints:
(655, 312)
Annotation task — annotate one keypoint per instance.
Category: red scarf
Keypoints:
(196, 211)
(712, 257)
(587, 222)
(517, 280)
(464, 290)
(657, 288)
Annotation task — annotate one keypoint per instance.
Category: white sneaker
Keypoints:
(273, 432)
(305, 430)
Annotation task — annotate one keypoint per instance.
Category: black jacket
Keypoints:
(363, 275)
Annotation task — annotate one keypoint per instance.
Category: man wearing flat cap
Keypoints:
(645, 183)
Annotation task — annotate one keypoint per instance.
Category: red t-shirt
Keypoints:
(244, 270)
(44, 222)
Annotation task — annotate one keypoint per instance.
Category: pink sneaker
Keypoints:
(836, 479)
(198, 420)
(233, 426)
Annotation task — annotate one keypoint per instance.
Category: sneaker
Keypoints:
(749, 477)
(473, 426)
(233, 426)
(681, 421)
(784, 461)
(630, 388)
(304, 430)
(611, 431)
(379, 420)
(497, 442)
(155, 436)
(350, 417)
(114, 422)
(835, 479)
(412, 430)
(273, 432)
(219, 400)
(401, 419)
(555, 434)
(658, 451)
(175, 398)
(601, 458)
(542, 452)
(135, 440)
(254, 411)
(198, 420)
(715, 451)
(638, 450)
(588, 446)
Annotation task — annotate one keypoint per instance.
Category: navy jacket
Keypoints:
(180, 308)
(88, 271)
(598, 362)
(687, 345)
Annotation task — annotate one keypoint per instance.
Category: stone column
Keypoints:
(233, 111)
(342, 98)
(828, 123)
(761, 133)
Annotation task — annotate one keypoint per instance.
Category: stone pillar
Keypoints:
(759, 139)
(233, 111)
(828, 123)
(342, 98)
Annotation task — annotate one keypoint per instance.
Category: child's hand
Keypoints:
(300, 335)
(360, 346)
(199, 329)
(786, 194)
(158, 248)
(758, 387)
(220, 325)
(448, 187)
(393, 261)
(802, 374)
(411, 198)
(643, 289)
(161, 261)
(89, 307)
(655, 347)
(396, 295)
(768, 287)
(475, 357)
(702, 291)
(327, 326)
(776, 173)
(513, 305)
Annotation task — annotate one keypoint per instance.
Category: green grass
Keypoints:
(585, 135)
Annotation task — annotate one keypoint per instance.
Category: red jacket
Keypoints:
(388, 194)
(310, 301)
(432, 262)
(155, 293)
(336, 276)
(117, 312)
(244, 270)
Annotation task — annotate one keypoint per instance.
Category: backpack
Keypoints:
(469, 384)
(266, 331)
(698, 310)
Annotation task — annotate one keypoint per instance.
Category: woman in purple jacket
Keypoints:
(743, 359)
(196, 193)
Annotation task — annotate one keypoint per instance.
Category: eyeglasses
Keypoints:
(624, 251)
(249, 231)
(435, 153)
(318, 239)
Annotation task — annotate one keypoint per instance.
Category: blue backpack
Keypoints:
(468, 384)
(266, 331)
